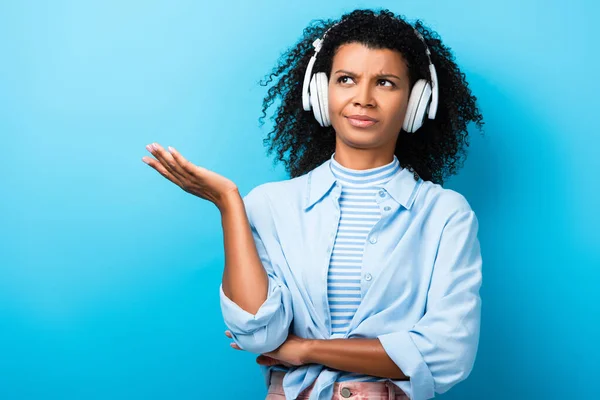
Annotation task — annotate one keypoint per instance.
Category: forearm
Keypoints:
(245, 280)
(364, 356)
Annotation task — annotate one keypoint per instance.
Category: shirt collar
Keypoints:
(402, 187)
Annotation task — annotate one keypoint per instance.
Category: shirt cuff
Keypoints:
(264, 331)
(405, 354)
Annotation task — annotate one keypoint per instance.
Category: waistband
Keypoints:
(343, 390)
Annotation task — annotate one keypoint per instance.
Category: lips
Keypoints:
(361, 121)
(362, 117)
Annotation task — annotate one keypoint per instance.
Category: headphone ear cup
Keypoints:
(417, 106)
(322, 89)
(314, 99)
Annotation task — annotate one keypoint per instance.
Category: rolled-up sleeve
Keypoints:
(268, 328)
(439, 350)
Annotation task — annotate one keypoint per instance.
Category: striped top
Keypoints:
(359, 212)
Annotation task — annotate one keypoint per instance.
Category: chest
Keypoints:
(396, 259)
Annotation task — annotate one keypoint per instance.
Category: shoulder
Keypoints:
(277, 190)
(442, 202)
(446, 210)
(273, 195)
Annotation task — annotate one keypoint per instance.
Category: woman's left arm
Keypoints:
(364, 356)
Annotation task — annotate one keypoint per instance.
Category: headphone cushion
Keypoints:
(421, 112)
(322, 89)
(314, 99)
(417, 105)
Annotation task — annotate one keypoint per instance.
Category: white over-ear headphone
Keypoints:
(314, 94)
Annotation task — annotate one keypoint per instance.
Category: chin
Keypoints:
(355, 138)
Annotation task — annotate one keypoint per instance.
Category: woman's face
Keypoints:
(372, 83)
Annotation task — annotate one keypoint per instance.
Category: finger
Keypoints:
(228, 334)
(264, 360)
(166, 159)
(162, 170)
(186, 165)
(235, 346)
(261, 360)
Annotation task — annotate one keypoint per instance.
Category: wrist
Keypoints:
(229, 200)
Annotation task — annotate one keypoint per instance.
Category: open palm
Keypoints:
(194, 179)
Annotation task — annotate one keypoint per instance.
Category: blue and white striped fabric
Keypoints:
(359, 213)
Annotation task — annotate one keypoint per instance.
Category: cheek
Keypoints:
(335, 101)
(401, 111)
(401, 106)
(394, 111)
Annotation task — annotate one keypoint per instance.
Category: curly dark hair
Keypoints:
(434, 152)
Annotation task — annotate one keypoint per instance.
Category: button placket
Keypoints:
(372, 239)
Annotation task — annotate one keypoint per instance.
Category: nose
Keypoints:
(364, 96)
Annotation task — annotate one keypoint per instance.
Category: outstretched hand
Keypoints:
(291, 353)
(193, 179)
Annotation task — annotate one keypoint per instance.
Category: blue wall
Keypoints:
(109, 273)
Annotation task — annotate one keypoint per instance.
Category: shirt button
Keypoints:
(373, 240)
(368, 277)
(346, 393)
(387, 208)
(381, 193)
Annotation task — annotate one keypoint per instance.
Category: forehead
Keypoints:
(357, 57)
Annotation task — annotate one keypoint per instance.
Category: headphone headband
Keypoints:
(317, 44)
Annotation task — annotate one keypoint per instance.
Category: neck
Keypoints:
(360, 159)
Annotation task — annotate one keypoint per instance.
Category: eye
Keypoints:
(339, 80)
(392, 84)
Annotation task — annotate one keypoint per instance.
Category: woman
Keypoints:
(359, 276)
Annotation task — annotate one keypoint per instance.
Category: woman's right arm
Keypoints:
(256, 304)
(245, 280)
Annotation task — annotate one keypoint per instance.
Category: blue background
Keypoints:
(109, 273)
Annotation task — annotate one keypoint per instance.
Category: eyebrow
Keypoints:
(378, 76)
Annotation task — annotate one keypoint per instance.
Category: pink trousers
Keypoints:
(383, 390)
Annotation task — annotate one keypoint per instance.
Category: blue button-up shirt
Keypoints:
(419, 291)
